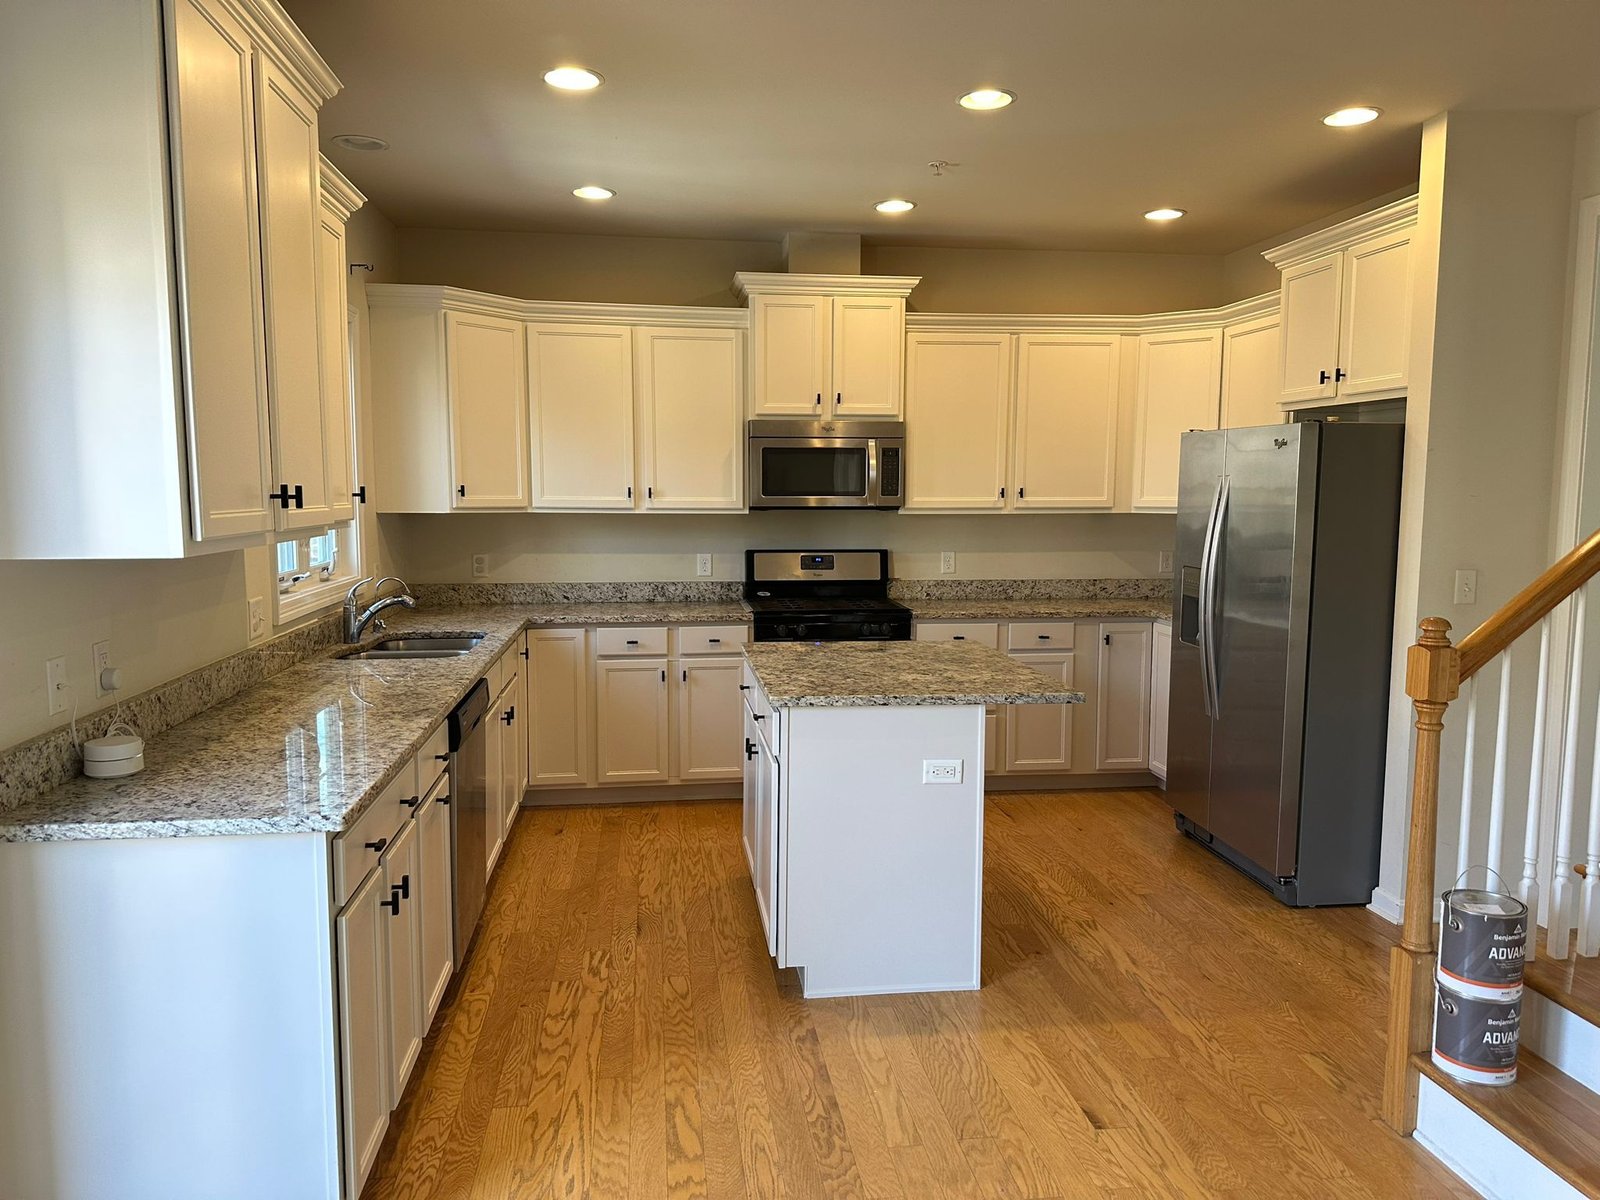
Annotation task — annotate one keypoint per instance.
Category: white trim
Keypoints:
(1263, 305)
(485, 304)
(271, 28)
(1390, 217)
(1491, 1162)
(751, 283)
(1388, 906)
(339, 195)
(1562, 1038)
(307, 601)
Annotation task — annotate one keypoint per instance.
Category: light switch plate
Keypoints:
(702, 564)
(258, 618)
(947, 562)
(1466, 587)
(1164, 562)
(941, 770)
(55, 681)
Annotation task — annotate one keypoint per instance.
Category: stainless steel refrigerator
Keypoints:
(1283, 604)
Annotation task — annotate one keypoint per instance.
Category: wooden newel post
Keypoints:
(1433, 680)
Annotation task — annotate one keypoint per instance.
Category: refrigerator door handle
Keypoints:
(1208, 612)
(1203, 633)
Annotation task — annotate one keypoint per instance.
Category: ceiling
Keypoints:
(749, 118)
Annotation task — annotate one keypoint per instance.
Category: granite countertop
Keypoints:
(979, 609)
(894, 674)
(312, 747)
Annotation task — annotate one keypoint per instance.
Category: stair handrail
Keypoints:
(1435, 670)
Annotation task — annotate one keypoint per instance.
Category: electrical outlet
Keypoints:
(258, 618)
(947, 562)
(941, 770)
(1466, 587)
(55, 681)
(480, 565)
(100, 663)
(1164, 562)
(702, 564)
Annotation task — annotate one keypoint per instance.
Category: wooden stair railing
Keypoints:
(1435, 671)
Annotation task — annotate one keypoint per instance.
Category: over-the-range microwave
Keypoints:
(827, 464)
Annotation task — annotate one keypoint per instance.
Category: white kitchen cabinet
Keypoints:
(1160, 690)
(631, 707)
(1250, 374)
(402, 922)
(558, 708)
(513, 711)
(362, 939)
(580, 378)
(958, 404)
(707, 710)
(1180, 374)
(1122, 697)
(1039, 736)
(750, 764)
(1309, 295)
(791, 356)
(339, 199)
(868, 356)
(691, 418)
(436, 899)
(765, 824)
(1066, 421)
(494, 827)
(1375, 316)
(488, 391)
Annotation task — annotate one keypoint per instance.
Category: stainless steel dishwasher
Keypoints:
(469, 810)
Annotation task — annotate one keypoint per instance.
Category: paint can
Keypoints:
(1482, 940)
(1475, 1040)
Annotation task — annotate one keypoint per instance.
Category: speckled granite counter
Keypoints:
(893, 674)
(312, 747)
(1044, 609)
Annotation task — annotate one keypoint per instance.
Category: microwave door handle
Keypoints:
(873, 494)
(1204, 629)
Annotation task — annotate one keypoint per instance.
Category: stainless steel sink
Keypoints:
(421, 646)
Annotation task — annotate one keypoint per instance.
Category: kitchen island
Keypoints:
(863, 806)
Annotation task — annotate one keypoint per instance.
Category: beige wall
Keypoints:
(580, 547)
(1245, 273)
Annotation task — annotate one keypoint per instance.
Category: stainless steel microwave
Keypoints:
(827, 464)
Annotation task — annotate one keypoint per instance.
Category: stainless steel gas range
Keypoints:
(823, 596)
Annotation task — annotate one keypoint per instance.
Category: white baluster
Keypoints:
(1558, 925)
(1464, 836)
(1497, 792)
(1528, 888)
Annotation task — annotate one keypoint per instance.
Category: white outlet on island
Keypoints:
(941, 770)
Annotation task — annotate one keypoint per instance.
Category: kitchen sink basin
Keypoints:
(421, 646)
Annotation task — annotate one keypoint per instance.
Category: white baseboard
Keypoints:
(1387, 905)
(1478, 1152)
(1562, 1038)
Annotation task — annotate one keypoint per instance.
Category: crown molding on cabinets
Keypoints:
(483, 304)
(338, 193)
(759, 283)
(1207, 318)
(281, 38)
(1379, 221)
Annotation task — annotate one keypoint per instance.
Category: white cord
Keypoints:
(117, 726)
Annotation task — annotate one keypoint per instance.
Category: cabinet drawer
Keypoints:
(433, 758)
(981, 633)
(359, 849)
(1039, 635)
(712, 639)
(639, 641)
(767, 721)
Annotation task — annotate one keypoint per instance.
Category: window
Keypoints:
(311, 559)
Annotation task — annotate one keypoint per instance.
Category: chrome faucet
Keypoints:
(356, 623)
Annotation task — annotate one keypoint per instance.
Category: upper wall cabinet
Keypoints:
(1346, 309)
(1250, 373)
(488, 399)
(691, 418)
(144, 391)
(1180, 374)
(1065, 454)
(339, 199)
(580, 380)
(958, 421)
(824, 346)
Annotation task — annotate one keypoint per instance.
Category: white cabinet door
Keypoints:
(580, 378)
(1160, 685)
(1039, 736)
(994, 760)
(1309, 310)
(1375, 325)
(958, 401)
(436, 900)
(402, 871)
(362, 938)
(1066, 427)
(708, 715)
(791, 355)
(868, 356)
(494, 826)
(558, 708)
(1250, 374)
(513, 746)
(691, 418)
(488, 411)
(219, 258)
(769, 823)
(333, 355)
(519, 725)
(1122, 700)
(1180, 378)
(286, 123)
(750, 759)
(631, 720)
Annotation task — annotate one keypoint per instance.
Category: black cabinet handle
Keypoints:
(630, 493)
(1002, 493)
(444, 758)
(392, 904)
(749, 749)
(1322, 377)
(1339, 374)
(633, 641)
(958, 637)
(838, 397)
(286, 498)
(744, 687)
(523, 652)
(403, 887)
(686, 675)
(506, 717)
(1044, 637)
(650, 492)
(663, 674)
(377, 846)
(819, 397)
(360, 494)
(714, 641)
(412, 802)
(758, 716)
(1108, 639)
(1021, 492)
(444, 799)
(461, 490)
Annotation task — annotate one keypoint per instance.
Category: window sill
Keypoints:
(310, 600)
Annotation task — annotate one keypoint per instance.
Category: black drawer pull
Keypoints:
(714, 641)
(744, 687)
(749, 749)
(392, 904)
(403, 887)
(958, 637)
(1044, 637)
(444, 758)
(444, 799)
(758, 716)
(411, 801)
(377, 846)
(633, 641)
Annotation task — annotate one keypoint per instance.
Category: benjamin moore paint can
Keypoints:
(1482, 940)
(1475, 1040)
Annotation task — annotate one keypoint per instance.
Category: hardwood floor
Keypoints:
(1151, 1024)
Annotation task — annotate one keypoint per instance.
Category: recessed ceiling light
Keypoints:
(573, 79)
(894, 206)
(358, 141)
(1164, 214)
(1361, 114)
(985, 99)
(591, 191)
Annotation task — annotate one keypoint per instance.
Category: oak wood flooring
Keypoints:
(1151, 1024)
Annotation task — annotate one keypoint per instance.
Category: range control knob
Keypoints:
(800, 632)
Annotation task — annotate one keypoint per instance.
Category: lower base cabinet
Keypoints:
(437, 907)
(762, 823)
(402, 922)
(362, 943)
(1160, 689)
(1039, 736)
(630, 703)
(1122, 700)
